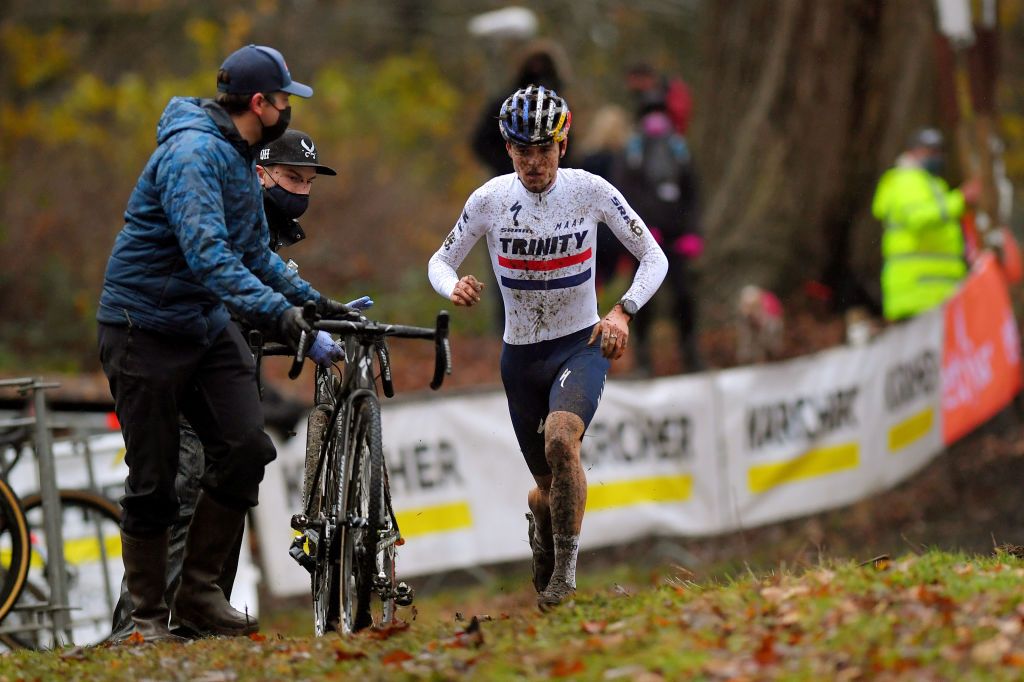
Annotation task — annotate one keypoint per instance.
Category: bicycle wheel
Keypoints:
(14, 549)
(322, 542)
(91, 529)
(384, 537)
(368, 550)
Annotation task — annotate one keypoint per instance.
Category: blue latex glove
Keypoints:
(361, 303)
(325, 350)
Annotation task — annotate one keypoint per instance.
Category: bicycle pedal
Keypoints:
(300, 522)
(297, 551)
(404, 594)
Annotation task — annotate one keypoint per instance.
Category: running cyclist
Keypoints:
(541, 228)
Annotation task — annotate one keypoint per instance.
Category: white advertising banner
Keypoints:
(796, 435)
(909, 394)
(650, 461)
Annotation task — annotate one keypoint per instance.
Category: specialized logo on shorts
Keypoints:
(565, 375)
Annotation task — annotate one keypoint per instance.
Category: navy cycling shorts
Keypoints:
(560, 375)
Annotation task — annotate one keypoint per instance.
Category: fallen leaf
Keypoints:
(136, 638)
(346, 655)
(257, 637)
(766, 654)
(629, 671)
(216, 676)
(566, 668)
(387, 631)
(991, 650)
(593, 627)
(396, 657)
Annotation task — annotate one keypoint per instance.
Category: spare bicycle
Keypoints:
(347, 530)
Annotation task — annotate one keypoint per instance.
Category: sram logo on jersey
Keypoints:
(544, 246)
(634, 225)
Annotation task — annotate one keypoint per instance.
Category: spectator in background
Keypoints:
(923, 243)
(645, 85)
(541, 62)
(656, 175)
(601, 150)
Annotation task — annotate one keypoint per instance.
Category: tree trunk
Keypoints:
(803, 105)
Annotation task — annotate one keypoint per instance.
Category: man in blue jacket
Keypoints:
(194, 245)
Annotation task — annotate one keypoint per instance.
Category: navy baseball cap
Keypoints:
(257, 68)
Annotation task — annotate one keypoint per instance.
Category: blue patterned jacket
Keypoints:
(195, 239)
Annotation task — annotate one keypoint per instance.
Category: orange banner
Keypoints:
(981, 361)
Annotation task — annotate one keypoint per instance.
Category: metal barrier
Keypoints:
(57, 607)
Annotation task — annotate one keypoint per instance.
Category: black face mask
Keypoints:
(271, 133)
(935, 165)
(290, 204)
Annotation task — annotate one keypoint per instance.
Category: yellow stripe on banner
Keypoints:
(440, 518)
(639, 491)
(811, 464)
(911, 429)
(82, 551)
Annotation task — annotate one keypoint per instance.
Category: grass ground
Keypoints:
(934, 615)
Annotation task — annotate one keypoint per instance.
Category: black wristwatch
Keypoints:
(628, 307)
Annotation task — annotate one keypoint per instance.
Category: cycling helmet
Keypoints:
(534, 115)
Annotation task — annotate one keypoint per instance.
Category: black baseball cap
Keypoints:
(257, 68)
(294, 148)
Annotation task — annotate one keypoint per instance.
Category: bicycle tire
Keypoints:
(323, 543)
(380, 541)
(91, 527)
(14, 549)
(360, 551)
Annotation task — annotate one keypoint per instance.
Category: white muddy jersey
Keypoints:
(543, 248)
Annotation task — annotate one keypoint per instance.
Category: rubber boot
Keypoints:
(145, 569)
(200, 604)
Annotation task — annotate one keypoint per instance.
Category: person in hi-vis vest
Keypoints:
(923, 243)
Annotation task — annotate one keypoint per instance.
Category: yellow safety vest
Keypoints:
(923, 244)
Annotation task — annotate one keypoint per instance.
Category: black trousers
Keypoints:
(154, 377)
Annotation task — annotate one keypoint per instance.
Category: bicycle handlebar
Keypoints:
(376, 331)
